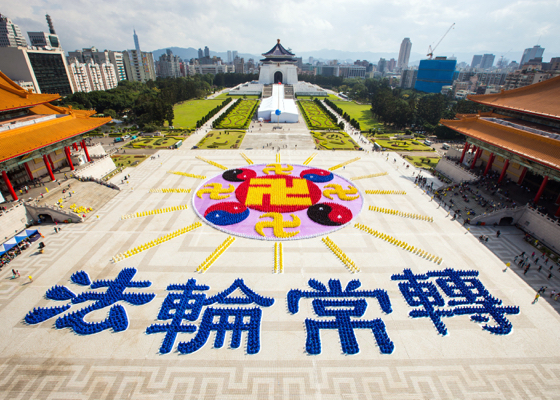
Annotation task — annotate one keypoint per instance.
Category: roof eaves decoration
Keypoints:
(278, 51)
(13, 96)
(539, 99)
(540, 149)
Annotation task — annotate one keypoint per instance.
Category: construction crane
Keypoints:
(430, 50)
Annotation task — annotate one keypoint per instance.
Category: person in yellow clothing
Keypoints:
(30, 278)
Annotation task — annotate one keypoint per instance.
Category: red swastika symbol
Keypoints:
(278, 193)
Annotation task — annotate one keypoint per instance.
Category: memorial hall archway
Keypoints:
(278, 77)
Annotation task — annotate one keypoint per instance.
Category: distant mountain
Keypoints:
(188, 53)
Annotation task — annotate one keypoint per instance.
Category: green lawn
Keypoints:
(239, 116)
(401, 145)
(153, 143)
(222, 140)
(361, 113)
(224, 96)
(330, 97)
(128, 160)
(423, 162)
(189, 112)
(334, 141)
(315, 117)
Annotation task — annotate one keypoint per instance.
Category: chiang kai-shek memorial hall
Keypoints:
(520, 135)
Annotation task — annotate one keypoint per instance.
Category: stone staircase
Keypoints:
(267, 91)
(288, 91)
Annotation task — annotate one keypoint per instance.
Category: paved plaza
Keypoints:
(42, 361)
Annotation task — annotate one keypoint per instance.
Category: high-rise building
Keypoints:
(169, 65)
(43, 39)
(139, 66)
(200, 53)
(10, 35)
(476, 61)
(229, 58)
(46, 68)
(529, 54)
(391, 64)
(206, 52)
(408, 78)
(382, 65)
(487, 61)
(234, 54)
(404, 54)
(434, 74)
(239, 64)
(136, 42)
(101, 57)
(311, 60)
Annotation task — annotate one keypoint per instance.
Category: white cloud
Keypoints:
(252, 26)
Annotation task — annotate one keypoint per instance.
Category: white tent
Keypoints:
(287, 107)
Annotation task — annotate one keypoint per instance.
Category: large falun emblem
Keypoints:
(277, 201)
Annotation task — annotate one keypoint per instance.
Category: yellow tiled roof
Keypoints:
(12, 96)
(542, 99)
(537, 148)
(16, 142)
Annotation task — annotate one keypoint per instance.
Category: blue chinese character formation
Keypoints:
(342, 305)
(115, 292)
(185, 305)
(468, 296)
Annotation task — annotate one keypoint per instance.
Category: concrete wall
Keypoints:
(55, 213)
(98, 169)
(541, 227)
(495, 217)
(96, 150)
(13, 221)
(454, 172)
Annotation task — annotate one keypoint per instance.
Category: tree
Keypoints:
(111, 113)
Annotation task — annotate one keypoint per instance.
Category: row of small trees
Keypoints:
(213, 112)
(344, 114)
(217, 124)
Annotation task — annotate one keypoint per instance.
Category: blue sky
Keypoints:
(303, 25)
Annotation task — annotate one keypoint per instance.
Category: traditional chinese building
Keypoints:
(279, 66)
(36, 136)
(519, 136)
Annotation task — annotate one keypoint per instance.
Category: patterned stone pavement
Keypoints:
(41, 361)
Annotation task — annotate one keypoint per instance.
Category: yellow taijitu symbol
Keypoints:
(278, 224)
(340, 192)
(216, 191)
(278, 169)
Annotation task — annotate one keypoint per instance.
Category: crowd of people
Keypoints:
(14, 252)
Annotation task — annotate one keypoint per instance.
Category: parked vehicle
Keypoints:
(118, 139)
(427, 142)
(445, 146)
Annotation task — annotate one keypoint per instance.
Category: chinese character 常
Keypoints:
(346, 306)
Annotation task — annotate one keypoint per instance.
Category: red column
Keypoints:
(506, 164)
(75, 146)
(9, 184)
(83, 143)
(69, 158)
(29, 173)
(489, 165)
(541, 190)
(475, 158)
(46, 161)
(50, 160)
(557, 212)
(522, 176)
(557, 201)
(465, 149)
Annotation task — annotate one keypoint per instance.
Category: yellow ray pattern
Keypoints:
(249, 161)
(399, 243)
(154, 212)
(341, 255)
(215, 254)
(169, 190)
(309, 159)
(278, 258)
(368, 176)
(156, 242)
(385, 192)
(278, 158)
(186, 174)
(343, 164)
(215, 164)
(401, 214)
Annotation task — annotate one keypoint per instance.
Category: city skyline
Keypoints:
(305, 27)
